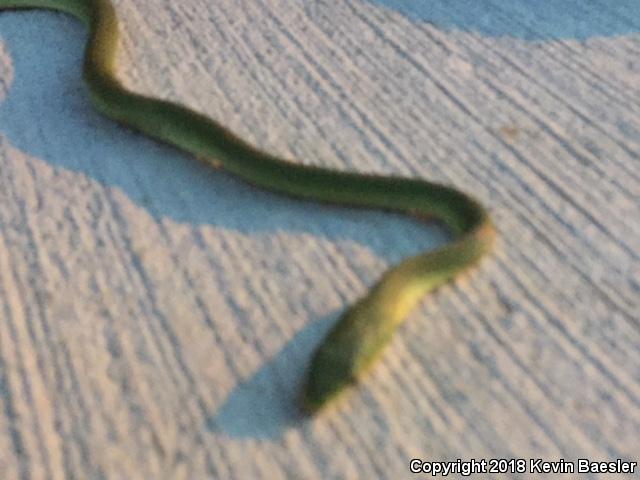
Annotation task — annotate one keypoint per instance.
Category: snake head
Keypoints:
(347, 353)
(330, 374)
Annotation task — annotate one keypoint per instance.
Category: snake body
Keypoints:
(365, 328)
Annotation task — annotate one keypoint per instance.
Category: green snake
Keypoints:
(361, 334)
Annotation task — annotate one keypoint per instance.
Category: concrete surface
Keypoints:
(156, 316)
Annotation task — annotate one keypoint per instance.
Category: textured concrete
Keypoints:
(156, 316)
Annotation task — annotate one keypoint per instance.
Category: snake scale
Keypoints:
(361, 334)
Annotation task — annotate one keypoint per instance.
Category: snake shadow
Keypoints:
(42, 81)
(268, 404)
(525, 19)
(46, 54)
